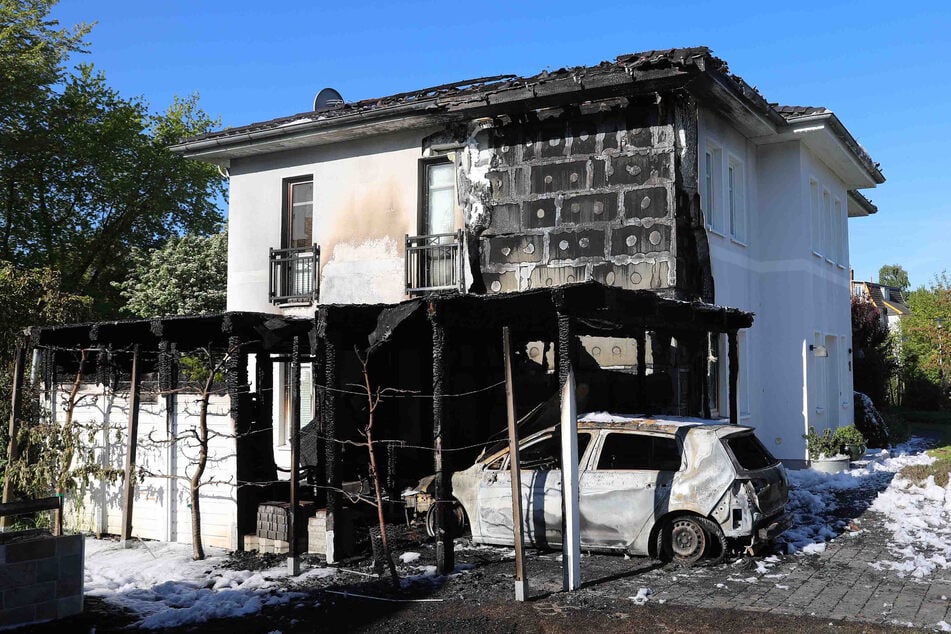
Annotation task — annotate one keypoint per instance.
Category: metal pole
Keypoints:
(571, 519)
(128, 489)
(293, 560)
(521, 582)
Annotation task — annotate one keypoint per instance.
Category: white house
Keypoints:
(643, 208)
(551, 179)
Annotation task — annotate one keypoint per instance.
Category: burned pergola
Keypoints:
(444, 351)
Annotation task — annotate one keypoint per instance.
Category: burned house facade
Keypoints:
(658, 171)
(609, 215)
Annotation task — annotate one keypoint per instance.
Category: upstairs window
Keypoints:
(712, 186)
(815, 216)
(298, 213)
(841, 234)
(826, 225)
(736, 199)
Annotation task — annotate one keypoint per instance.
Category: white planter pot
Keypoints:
(830, 465)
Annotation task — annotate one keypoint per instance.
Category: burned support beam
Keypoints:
(571, 519)
(521, 583)
(132, 433)
(293, 558)
(445, 557)
(734, 354)
(328, 423)
(13, 448)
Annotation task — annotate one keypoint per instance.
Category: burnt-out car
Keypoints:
(674, 488)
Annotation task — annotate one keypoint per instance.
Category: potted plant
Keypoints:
(852, 440)
(826, 451)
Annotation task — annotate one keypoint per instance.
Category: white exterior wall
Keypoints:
(794, 293)
(161, 508)
(365, 202)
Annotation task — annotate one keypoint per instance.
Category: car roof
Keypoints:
(662, 424)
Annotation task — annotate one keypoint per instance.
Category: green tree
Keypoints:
(926, 340)
(894, 275)
(874, 362)
(85, 173)
(186, 276)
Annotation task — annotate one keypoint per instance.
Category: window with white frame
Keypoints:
(736, 199)
(712, 187)
(815, 216)
(827, 249)
(842, 235)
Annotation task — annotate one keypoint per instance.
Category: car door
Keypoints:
(540, 477)
(626, 486)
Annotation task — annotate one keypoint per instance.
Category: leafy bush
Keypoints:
(833, 442)
(870, 423)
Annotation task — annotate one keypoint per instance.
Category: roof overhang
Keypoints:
(827, 138)
(860, 206)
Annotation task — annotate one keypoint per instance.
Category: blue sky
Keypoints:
(881, 66)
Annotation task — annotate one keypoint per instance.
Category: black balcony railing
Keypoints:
(294, 275)
(434, 263)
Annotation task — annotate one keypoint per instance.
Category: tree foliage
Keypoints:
(926, 342)
(894, 275)
(874, 361)
(186, 276)
(85, 173)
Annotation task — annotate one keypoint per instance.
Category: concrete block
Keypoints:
(584, 138)
(27, 595)
(501, 282)
(71, 566)
(15, 575)
(33, 549)
(599, 177)
(583, 243)
(505, 219)
(646, 203)
(589, 208)
(69, 545)
(633, 239)
(539, 214)
(638, 138)
(47, 569)
(500, 184)
(516, 249)
(547, 276)
(553, 143)
(556, 177)
(68, 606)
(46, 611)
(69, 586)
(17, 616)
(630, 169)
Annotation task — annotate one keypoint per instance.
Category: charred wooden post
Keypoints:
(571, 519)
(242, 417)
(734, 351)
(13, 447)
(128, 488)
(445, 557)
(293, 559)
(521, 582)
(328, 421)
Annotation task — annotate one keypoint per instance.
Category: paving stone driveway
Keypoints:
(839, 583)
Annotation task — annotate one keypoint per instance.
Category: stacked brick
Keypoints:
(579, 197)
(41, 579)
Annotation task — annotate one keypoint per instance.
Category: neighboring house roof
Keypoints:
(859, 205)
(889, 299)
(695, 68)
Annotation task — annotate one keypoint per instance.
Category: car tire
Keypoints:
(717, 547)
(682, 540)
(456, 529)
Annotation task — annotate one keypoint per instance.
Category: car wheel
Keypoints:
(682, 540)
(457, 518)
(717, 547)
